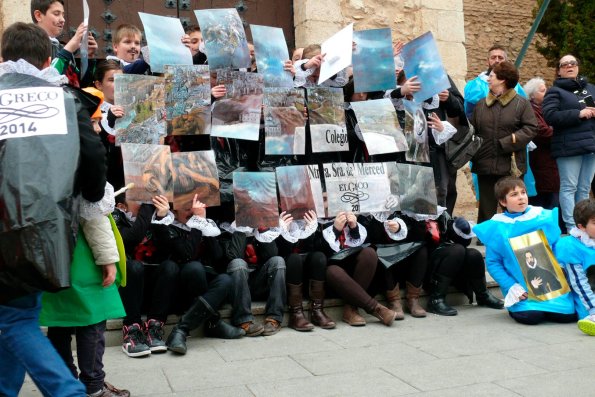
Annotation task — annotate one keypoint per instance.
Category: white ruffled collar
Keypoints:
(21, 66)
(424, 217)
(583, 236)
(532, 213)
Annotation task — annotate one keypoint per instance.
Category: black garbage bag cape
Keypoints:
(38, 213)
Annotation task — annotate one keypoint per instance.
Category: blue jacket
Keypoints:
(501, 261)
(573, 136)
(478, 88)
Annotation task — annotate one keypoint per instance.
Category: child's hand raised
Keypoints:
(340, 221)
(218, 91)
(198, 208)
(351, 220)
(310, 217)
(117, 111)
(315, 61)
(410, 86)
(161, 205)
(285, 220)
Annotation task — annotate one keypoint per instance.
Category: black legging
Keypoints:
(452, 260)
(312, 266)
(413, 267)
(534, 317)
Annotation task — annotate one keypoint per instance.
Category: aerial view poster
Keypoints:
(237, 115)
(379, 125)
(195, 173)
(417, 189)
(164, 40)
(284, 121)
(416, 133)
(225, 39)
(255, 197)
(373, 62)
(327, 120)
(187, 99)
(295, 193)
(422, 59)
(149, 168)
(270, 50)
(142, 98)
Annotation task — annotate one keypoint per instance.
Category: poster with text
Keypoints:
(270, 50)
(341, 188)
(327, 120)
(284, 121)
(416, 133)
(373, 185)
(143, 100)
(225, 39)
(417, 189)
(195, 173)
(295, 193)
(149, 168)
(255, 197)
(338, 50)
(373, 62)
(379, 125)
(316, 187)
(187, 99)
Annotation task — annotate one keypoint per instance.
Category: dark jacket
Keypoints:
(573, 136)
(495, 123)
(133, 233)
(544, 167)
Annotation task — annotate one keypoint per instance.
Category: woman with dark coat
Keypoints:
(567, 108)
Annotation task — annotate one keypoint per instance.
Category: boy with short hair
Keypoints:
(49, 15)
(518, 219)
(126, 43)
(576, 253)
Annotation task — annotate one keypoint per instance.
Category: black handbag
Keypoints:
(461, 148)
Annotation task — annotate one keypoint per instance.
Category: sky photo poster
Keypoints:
(373, 62)
(270, 50)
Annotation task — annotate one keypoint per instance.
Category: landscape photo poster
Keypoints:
(237, 115)
(284, 121)
(326, 113)
(187, 99)
(149, 167)
(416, 133)
(417, 189)
(143, 100)
(373, 61)
(295, 193)
(195, 173)
(379, 126)
(255, 198)
(164, 38)
(225, 39)
(422, 59)
(270, 51)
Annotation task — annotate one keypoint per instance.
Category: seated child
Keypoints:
(576, 253)
(519, 219)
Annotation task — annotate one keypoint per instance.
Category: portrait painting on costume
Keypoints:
(379, 125)
(270, 51)
(295, 193)
(327, 120)
(187, 99)
(225, 39)
(237, 115)
(422, 59)
(195, 173)
(543, 275)
(373, 61)
(163, 39)
(416, 133)
(417, 189)
(149, 168)
(143, 100)
(255, 197)
(284, 121)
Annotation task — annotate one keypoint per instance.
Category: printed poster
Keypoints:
(295, 192)
(149, 168)
(379, 125)
(417, 189)
(373, 62)
(338, 50)
(270, 50)
(316, 188)
(284, 121)
(327, 120)
(255, 197)
(416, 133)
(195, 173)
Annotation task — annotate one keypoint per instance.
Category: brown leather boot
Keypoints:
(393, 302)
(351, 316)
(297, 320)
(384, 314)
(413, 301)
(317, 315)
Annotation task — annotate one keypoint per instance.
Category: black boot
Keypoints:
(217, 328)
(192, 319)
(483, 296)
(439, 286)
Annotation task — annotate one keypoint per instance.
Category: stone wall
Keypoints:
(504, 22)
(12, 11)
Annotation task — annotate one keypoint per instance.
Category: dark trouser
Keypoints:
(268, 278)
(219, 289)
(414, 268)
(488, 205)
(445, 178)
(452, 260)
(158, 281)
(534, 317)
(351, 277)
(304, 267)
(90, 346)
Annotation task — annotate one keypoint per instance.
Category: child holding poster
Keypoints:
(519, 257)
(576, 253)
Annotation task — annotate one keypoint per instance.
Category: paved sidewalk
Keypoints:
(480, 352)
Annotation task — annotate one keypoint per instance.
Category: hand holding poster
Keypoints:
(271, 53)
(337, 53)
(295, 191)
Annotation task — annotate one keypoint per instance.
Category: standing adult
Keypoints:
(506, 123)
(545, 170)
(566, 108)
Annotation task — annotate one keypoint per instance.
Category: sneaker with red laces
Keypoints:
(251, 328)
(154, 336)
(271, 327)
(134, 344)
